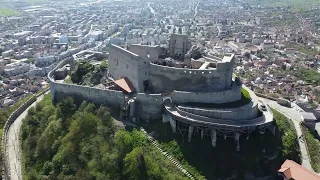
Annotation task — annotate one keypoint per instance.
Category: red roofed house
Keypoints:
(291, 170)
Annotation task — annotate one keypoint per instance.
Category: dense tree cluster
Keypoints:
(88, 74)
(69, 141)
(309, 75)
(81, 69)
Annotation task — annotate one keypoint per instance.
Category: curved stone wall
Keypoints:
(168, 79)
(220, 97)
(248, 111)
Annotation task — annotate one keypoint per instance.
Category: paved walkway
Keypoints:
(13, 144)
(293, 114)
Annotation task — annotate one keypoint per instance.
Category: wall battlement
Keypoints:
(168, 79)
(148, 52)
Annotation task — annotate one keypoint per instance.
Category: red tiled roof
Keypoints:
(125, 84)
(291, 169)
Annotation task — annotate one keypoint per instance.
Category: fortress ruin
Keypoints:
(193, 91)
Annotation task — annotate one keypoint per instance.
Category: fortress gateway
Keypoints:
(195, 92)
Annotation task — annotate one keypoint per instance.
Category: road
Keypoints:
(13, 144)
(293, 114)
(196, 9)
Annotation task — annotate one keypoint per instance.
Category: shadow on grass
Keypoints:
(223, 161)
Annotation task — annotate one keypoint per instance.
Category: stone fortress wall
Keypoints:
(148, 106)
(148, 52)
(248, 111)
(165, 78)
(101, 96)
(168, 79)
(219, 97)
(123, 63)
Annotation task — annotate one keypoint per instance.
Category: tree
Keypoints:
(81, 69)
(66, 108)
(134, 165)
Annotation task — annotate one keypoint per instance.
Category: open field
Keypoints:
(8, 12)
(296, 5)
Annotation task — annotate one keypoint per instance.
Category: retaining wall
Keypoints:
(11, 119)
(249, 111)
(231, 95)
(267, 97)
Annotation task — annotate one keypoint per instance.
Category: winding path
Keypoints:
(13, 144)
(295, 116)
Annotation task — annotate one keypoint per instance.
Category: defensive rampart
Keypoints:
(149, 106)
(248, 111)
(101, 96)
(168, 79)
(231, 95)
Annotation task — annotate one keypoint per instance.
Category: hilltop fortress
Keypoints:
(195, 92)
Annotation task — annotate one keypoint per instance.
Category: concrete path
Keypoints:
(13, 144)
(293, 114)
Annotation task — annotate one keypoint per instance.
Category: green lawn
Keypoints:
(313, 148)
(8, 12)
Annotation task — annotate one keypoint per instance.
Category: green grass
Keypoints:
(288, 142)
(8, 12)
(313, 148)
